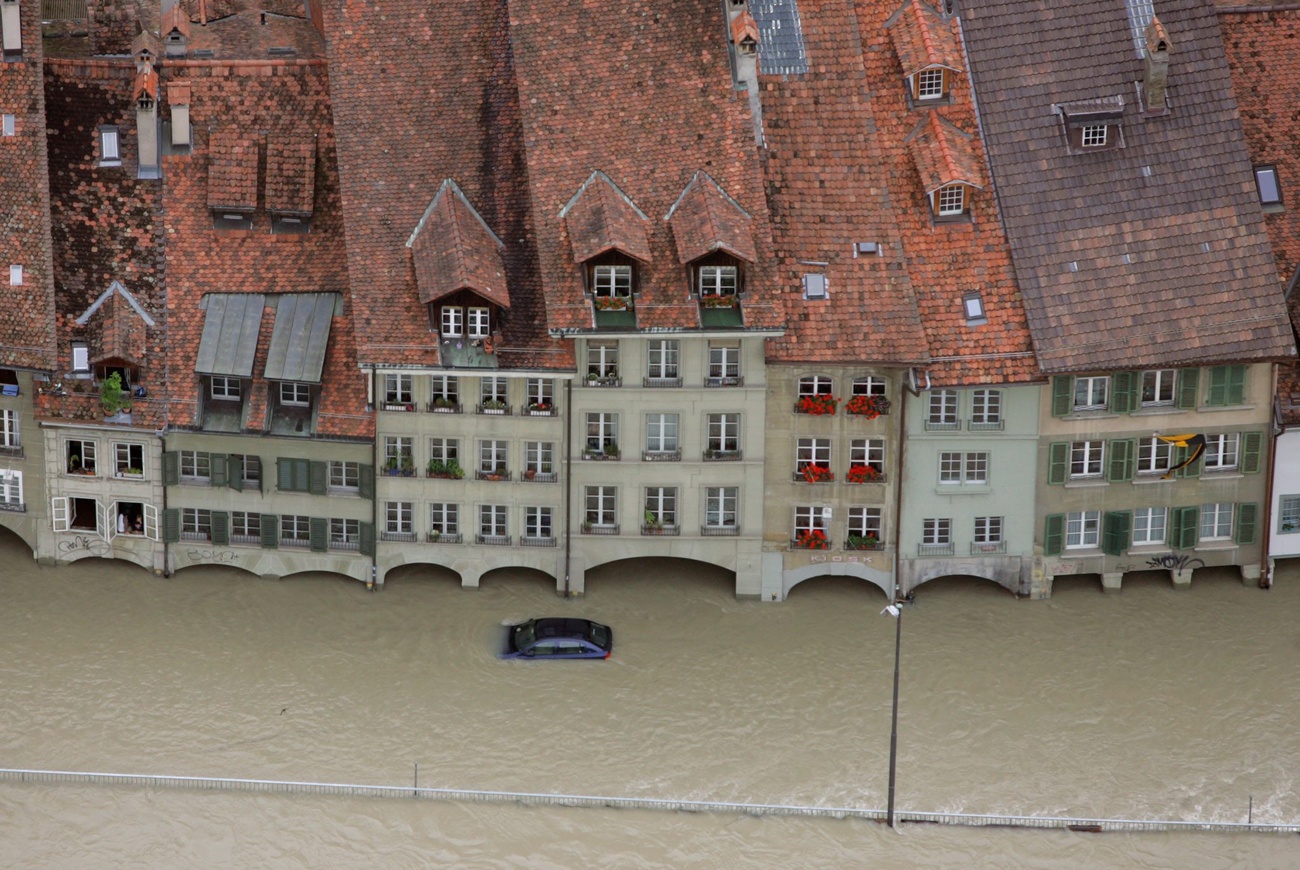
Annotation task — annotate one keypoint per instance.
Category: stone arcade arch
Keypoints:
(646, 569)
(422, 572)
(1013, 579)
(876, 577)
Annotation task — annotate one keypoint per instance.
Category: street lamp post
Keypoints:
(894, 611)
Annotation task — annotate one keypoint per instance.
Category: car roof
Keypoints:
(562, 627)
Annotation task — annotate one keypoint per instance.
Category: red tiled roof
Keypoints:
(232, 169)
(943, 154)
(453, 249)
(705, 219)
(116, 333)
(601, 217)
(146, 84)
(177, 19)
(922, 38)
(178, 93)
(290, 172)
(744, 27)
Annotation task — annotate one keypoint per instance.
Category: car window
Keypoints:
(600, 635)
(545, 648)
(570, 647)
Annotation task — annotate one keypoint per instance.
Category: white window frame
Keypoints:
(1158, 385)
(80, 356)
(1094, 135)
(868, 451)
(718, 280)
(444, 518)
(950, 200)
(1087, 459)
(986, 407)
(87, 452)
(225, 389)
(344, 476)
(539, 455)
(1083, 530)
(541, 391)
(602, 358)
(345, 534)
(870, 386)
(600, 506)
(969, 468)
(539, 522)
(16, 275)
(493, 390)
(812, 518)
(602, 430)
(662, 502)
(399, 447)
(195, 465)
(942, 410)
(110, 146)
(196, 524)
(444, 450)
(1269, 185)
(1154, 456)
(724, 361)
(11, 487)
(988, 530)
(452, 321)
(446, 386)
(7, 125)
(721, 507)
(1216, 521)
(492, 456)
(119, 466)
(865, 521)
(245, 525)
(493, 521)
(1091, 393)
(611, 279)
(663, 359)
(661, 432)
(397, 389)
(816, 385)
(1222, 451)
(1150, 526)
(811, 451)
(399, 517)
(1288, 515)
(723, 433)
(9, 428)
(295, 393)
(295, 530)
(478, 322)
(936, 531)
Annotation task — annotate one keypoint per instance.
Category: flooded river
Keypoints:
(1147, 704)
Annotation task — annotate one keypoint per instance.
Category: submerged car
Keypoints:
(558, 638)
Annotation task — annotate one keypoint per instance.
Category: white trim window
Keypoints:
(986, 408)
(663, 359)
(397, 389)
(295, 530)
(929, 84)
(1094, 135)
(539, 457)
(661, 433)
(81, 456)
(1216, 521)
(128, 459)
(345, 534)
(453, 321)
(1221, 451)
(724, 360)
(812, 451)
(492, 521)
(345, 476)
(950, 200)
(541, 392)
(988, 530)
(723, 433)
(478, 323)
(971, 469)
(1149, 526)
(398, 517)
(225, 389)
(16, 275)
(196, 524)
(1090, 394)
(661, 504)
(295, 394)
(717, 281)
(493, 390)
(11, 488)
(399, 451)
(602, 359)
(868, 451)
(942, 408)
(1158, 387)
(444, 450)
(601, 506)
(1082, 530)
(9, 428)
(1086, 458)
(870, 386)
(602, 431)
(1288, 515)
(721, 505)
(245, 527)
(196, 465)
(611, 280)
(936, 531)
(110, 152)
(492, 456)
(444, 387)
(1153, 456)
(865, 522)
(444, 518)
(816, 385)
(538, 523)
(811, 518)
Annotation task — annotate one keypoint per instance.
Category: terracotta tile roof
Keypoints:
(705, 219)
(291, 173)
(922, 38)
(1148, 255)
(600, 217)
(146, 84)
(744, 29)
(453, 249)
(176, 19)
(1263, 50)
(117, 333)
(943, 154)
(178, 93)
(232, 170)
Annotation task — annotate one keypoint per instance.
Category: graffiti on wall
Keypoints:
(216, 557)
(92, 544)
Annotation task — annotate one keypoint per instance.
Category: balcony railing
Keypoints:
(987, 548)
(726, 381)
(501, 410)
(864, 544)
(942, 425)
(813, 474)
(661, 456)
(711, 455)
(536, 542)
(547, 410)
(661, 382)
(604, 381)
(539, 476)
(599, 454)
(401, 537)
(494, 540)
(14, 452)
(443, 538)
(250, 540)
(399, 406)
(351, 546)
(445, 408)
(480, 474)
(995, 426)
(661, 530)
(289, 543)
(593, 529)
(719, 531)
(934, 549)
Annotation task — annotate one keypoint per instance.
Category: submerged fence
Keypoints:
(276, 786)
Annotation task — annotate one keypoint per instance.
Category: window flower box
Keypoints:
(863, 542)
(870, 407)
(498, 475)
(612, 303)
(444, 406)
(494, 406)
(863, 474)
(823, 404)
(811, 473)
(608, 452)
(445, 470)
(711, 455)
(718, 301)
(810, 539)
(540, 409)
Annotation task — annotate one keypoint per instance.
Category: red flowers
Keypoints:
(870, 407)
(816, 473)
(862, 474)
(817, 405)
(812, 539)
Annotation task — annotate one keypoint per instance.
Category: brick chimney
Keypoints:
(1156, 70)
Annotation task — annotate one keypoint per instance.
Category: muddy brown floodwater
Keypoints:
(1147, 704)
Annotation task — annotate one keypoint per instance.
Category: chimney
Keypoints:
(178, 97)
(11, 31)
(145, 94)
(1156, 69)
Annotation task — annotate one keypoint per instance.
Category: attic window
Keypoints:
(109, 152)
(929, 84)
(611, 280)
(1092, 125)
(1270, 189)
(286, 225)
(815, 286)
(80, 357)
(16, 275)
(6, 125)
(223, 220)
(950, 201)
(973, 305)
(1093, 135)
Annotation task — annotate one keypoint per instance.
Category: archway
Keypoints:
(648, 570)
(422, 572)
(841, 582)
(963, 584)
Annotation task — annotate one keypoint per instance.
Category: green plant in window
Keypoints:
(110, 395)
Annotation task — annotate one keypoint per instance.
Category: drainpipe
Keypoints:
(568, 479)
(374, 483)
(1266, 527)
(898, 494)
(162, 517)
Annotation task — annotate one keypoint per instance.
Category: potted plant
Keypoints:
(613, 303)
(611, 450)
(540, 409)
(652, 521)
(818, 405)
(442, 403)
(811, 539)
(592, 377)
(408, 466)
(716, 300)
(870, 407)
(530, 473)
(816, 473)
(434, 534)
(862, 542)
(112, 397)
(862, 474)
(494, 406)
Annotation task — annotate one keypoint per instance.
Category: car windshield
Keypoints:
(525, 634)
(600, 635)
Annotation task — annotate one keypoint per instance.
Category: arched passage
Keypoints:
(14, 546)
(1011, 578)
(794, 576)
(422, 572)
(964, 584)
(518, 575)
(648, 570)
(826, 579)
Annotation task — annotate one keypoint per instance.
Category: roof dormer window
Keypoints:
(1093, 135)
(950, 201)
(929, 84)
(717, 281)
(611, 280)
(1092, 125)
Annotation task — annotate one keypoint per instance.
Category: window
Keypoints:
(868, 451)
(492, 521)
(1086, 457)
(9, 428)
(444, 518)
(1090, 393)
(1082, 530)
(943, 410)
(444, 391)
(936, 531)
(293, 475)
(196, 524)
(16, 275)
(1149, 526)
(1153, 456)
(661, 433)
(601, 503)
(128, 460)
(1270, 188)
(950, 200)
(1221, 451)
(1158, 387)
(539, 458)
(723, 433)
(397, 389)
(399, 453)
(81, 457)
(80, 357)
(345, 476)
(815, 385)
(720, 506)
(492, 457)
(611, 280)
(1093, 135)
(252, 467)
(602, 432)
(225, 389)
(871, 386)
(537, 523)
(973, 304)
(245, 527)
(717, 281)
(492, 392)
(811, 523)
(1288, 514)
(11, 488)
(6, 125)
(1216, 521)
(812, 451)
(724, 364)
(929, 84)
(479, 323)
(864, 526)
(444, 450)
(292, 393)
(661, 506)
(453, 321)
(541, 394)
(398, 517)
(986, 409)
(964, 468)
(602, 359)
(345, 534)
(109, 153)
(295, 530)
(988, 530)
(663, 356)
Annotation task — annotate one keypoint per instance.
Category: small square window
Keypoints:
(1094, 135)
(6, 125)
(15, 275)
(1270, 189)
(950, 200)
(815, 286)
(929, 84)
(973, 304)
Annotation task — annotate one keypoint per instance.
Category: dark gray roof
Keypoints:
(230, 329)
(301, 334)
(780, 37)
(1151, 254)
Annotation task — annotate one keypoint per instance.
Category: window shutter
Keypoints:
(1246, 519)
(1062, 395)
(1188, 384)
(366, 481)
(235, 472)
(319, 533)
(220, 527)
(301, 475)
(217, 468)
(1058, 462)
(1251, 443)
(1121, 460)
(171, 468)
(1054, 534)
(1123, 397)
(320, 476)
(1184, 532)
(270, 531)
(367, 539)
(1193, 470)
(1218, 391)
(1236, 385)
(171, 525)
(1115, 531)
(284, 474)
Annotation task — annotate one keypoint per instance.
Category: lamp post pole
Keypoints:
(896, 612)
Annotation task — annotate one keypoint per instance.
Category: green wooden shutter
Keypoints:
(318, 533)
(1054, 534)
(1193, 470)
(284, 474)
(1184, 531)
(301, 475)
(1188, 386)
(220, 527)
(1235, 393)
(270, 529)
(366, 481)
(1122, 453)
(318, 478)
(171, 468)
(367, 539)
(1062, 395)
(1247, 515)
(171, 525)
(1124, 397)
(1251, 446)
(217, 469)
(1115, 532)
(1217, 394)
(1058, 462)
(235, 471)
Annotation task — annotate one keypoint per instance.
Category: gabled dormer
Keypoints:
(928, 51)
(175, 31)
(944, 156)
(291, 181)
(232, 179)
(113, 332)
(460, 278)
(610, 244)
(716, 246)
(1092, 125)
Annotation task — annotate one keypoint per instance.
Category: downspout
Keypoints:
(898, 493)
(568, 479)
(374, 483)
(1265, 573)
(162, 517)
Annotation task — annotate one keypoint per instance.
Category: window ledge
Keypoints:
(1219, 409)
(1273, 208)
(1082, 553)
(1086, 414)
(1086, 482)
(1226, 474)
(1212, 546)
(962, 489)
(1148, 479)
(1148, 549)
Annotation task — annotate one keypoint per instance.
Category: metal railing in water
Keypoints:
(277, 786)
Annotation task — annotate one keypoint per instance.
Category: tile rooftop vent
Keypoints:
(815, 286)
(281, 51)
(780, 44)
